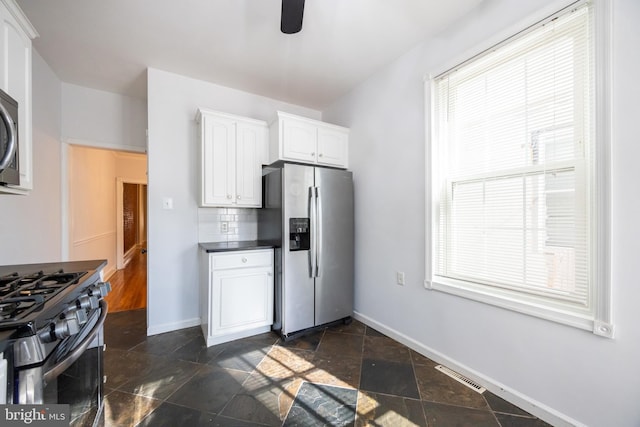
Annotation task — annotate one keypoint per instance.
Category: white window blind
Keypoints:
(513, 168)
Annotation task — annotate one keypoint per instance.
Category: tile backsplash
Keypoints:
(241, 224)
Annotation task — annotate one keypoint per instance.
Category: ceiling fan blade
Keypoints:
(291, 19)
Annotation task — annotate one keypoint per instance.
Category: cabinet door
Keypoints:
(249, 141)
(332, 147)
(15, 79)
(299, 140)
(241, 299)
(218, 161)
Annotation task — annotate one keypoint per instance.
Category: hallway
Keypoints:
(129, 285)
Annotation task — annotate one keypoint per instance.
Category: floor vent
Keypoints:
(461, 379)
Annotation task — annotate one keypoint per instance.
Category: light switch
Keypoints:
(167, 203)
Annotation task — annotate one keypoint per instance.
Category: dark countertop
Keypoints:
(242, 245)
(52, 267)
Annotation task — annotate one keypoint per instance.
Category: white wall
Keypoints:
(575, 376)
(30, 225)
(103, 119)
(92, 205)
(173, 172)
(131, 167)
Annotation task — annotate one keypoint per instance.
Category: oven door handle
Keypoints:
(75, 354)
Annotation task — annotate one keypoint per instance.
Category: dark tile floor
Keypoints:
(348, 375)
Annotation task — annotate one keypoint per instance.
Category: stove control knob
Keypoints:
(87, 302)
(101, 289)
(66, 327)
(80, 315)
(106, 286)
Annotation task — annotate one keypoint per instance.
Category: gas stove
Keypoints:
(51, 323)
(33, 295)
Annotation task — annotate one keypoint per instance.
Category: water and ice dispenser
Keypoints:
(299, 234)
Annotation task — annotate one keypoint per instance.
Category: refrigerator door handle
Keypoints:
(318, 231)
(312, 220)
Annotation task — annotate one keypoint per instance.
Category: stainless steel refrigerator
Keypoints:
(308, 211)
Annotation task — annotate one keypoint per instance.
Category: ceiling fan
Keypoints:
(291, 18)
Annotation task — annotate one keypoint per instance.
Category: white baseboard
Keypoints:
(108, 272)
(169, 327)
(528, 404)
(129, 254)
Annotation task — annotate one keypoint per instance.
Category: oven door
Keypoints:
(73, 374)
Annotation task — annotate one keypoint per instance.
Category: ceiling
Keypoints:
(108, 44)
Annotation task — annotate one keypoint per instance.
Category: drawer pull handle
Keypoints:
(244, 259)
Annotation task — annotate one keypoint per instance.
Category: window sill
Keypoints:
(557, 312)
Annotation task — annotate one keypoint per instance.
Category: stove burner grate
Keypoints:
(11, 308)
(23, 294)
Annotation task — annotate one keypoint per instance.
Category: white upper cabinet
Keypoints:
(232, 153)
(16, 33)
(333, 146)
(299, 139)
(251, 140)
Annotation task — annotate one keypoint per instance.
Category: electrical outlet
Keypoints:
(224, 227)
(400, 277)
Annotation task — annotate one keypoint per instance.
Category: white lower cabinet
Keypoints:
(236, 294)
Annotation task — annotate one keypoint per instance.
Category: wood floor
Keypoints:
(129, 285)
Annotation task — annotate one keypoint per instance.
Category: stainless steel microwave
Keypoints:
(9, 162)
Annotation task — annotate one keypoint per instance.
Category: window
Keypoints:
(516, 189)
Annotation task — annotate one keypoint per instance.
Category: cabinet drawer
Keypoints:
(242, 259)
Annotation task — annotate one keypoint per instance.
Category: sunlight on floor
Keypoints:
(287, 370)
(125, 409)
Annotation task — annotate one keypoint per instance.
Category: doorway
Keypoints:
(129, 281)
(96, 218)
(131, 220)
